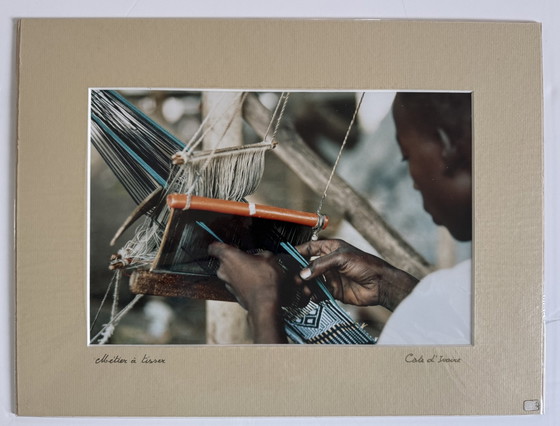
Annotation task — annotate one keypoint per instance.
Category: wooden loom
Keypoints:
(353, 207)
(170, 276)
(182, 266)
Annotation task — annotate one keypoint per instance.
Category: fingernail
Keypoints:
(305, 273)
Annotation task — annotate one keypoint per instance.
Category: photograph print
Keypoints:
(229, 217)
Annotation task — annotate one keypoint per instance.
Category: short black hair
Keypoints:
(450, 112)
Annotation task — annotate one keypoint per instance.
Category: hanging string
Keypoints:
(108, 328)
(198, 174)
(195, 139)
(273, 116)
(239, 171)
(103, 301)
(283, 100)
(337, 160)
(280, 116)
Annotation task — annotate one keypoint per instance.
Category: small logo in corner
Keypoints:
(531, 405)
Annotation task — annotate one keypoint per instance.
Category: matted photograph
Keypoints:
(200, 234)
(345, 224)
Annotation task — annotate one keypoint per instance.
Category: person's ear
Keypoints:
(448, 151)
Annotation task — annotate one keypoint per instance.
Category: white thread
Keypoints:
(223, 175)
(181, 157)
(195, 139)
(252, 209)
(188, 203)
(115, 276)
(108, 328)
(282, 100)
(106, 334)
(226, 176)
(210, 157)
(116, 294)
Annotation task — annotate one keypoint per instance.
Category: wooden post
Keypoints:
(226, 322)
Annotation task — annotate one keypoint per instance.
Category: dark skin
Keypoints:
(353, 276)
(258, 287)
(446, 189)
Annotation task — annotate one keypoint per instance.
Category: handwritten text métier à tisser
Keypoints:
(116, 359)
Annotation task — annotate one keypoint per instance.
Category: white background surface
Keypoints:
(545, 11)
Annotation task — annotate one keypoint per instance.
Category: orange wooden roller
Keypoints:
(193, 202)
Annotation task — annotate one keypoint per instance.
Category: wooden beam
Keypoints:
(177, 285)
(357, 210)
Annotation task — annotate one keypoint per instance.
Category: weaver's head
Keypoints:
(435, 137)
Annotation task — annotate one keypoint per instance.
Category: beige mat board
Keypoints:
(60, 59)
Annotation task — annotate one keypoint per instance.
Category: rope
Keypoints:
(284, 101)
(103, 301)
(273, 116)
(115, 304)
(195, 139)
(340, 153)
(108, 328)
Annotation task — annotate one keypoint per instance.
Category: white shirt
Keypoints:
(437, 312)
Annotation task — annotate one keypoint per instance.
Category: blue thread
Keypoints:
(291, 250)
(176, 141)
(203, 226)
(142, 163)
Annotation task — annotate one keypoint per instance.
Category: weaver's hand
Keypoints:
(256, 283)
(353, 276)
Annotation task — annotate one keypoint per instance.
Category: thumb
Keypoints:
(322, 265)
